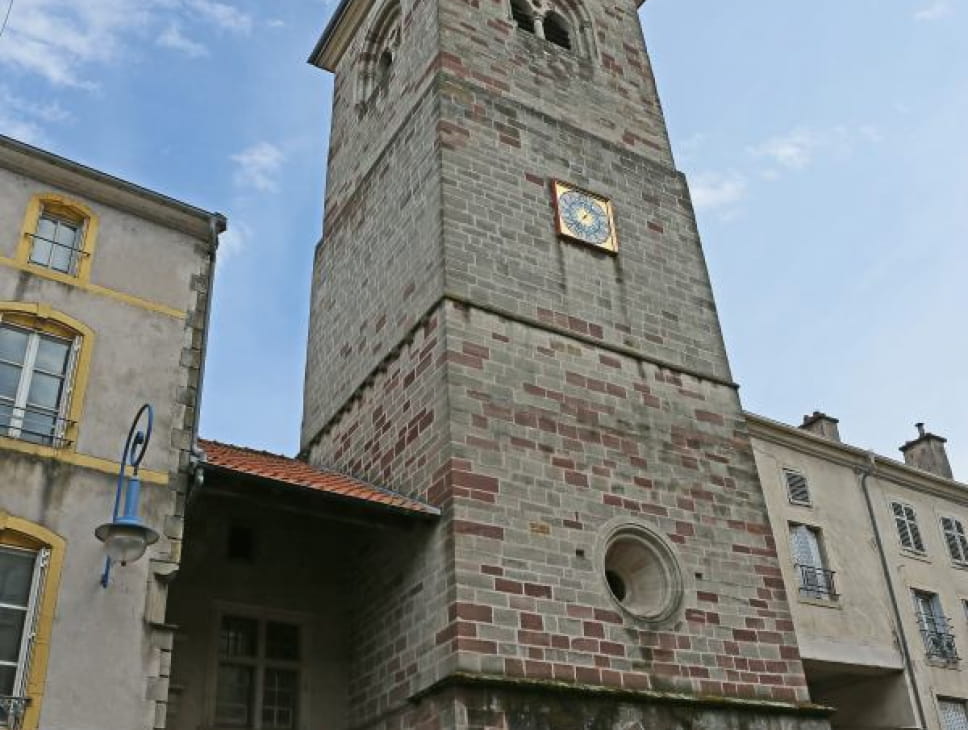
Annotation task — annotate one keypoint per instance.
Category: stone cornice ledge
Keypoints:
(469, 679)
(855, 458)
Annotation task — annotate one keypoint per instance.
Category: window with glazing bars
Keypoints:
(908, 531)
(954, 714)
(939, 641)
(815, 579)
(34, 385)
(57, 243)
(257, 684)
(797, 489)
(21, 582)
(954, 538)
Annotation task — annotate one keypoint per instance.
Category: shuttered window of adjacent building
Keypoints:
(954, 537)
(797, 489)
(907, 526)
(953, 715)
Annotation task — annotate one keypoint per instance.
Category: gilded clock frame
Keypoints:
(559, 188)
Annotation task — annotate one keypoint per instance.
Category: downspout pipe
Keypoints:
(864, 472)
(216, 224)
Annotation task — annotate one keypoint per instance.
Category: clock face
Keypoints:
(584, 217)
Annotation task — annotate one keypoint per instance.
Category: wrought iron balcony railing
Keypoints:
(816, 582)
(12, 711)
(33, 424)
(939, 640)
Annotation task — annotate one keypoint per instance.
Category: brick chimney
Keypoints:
(927, 453)
(822, 425)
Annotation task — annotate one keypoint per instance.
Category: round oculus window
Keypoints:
(642, 573)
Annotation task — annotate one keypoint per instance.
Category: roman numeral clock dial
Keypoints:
(584, 217)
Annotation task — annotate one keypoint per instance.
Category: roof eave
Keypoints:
(428, 513)
(108, 189)
(340, 30)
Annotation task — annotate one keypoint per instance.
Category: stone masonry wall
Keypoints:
(395, 432)
(553, 438)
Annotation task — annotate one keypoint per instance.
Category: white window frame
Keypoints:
(789, 472)
(934, 622)
(77, 250)
(262, 616)
(19, 406)
(955, 537)
(29, 636)
(908, 524)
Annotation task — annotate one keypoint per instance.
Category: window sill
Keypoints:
(937, 663)
(958, 565)
(820, 602)
(915, 555)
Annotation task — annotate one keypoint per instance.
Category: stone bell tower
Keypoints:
(512, 319)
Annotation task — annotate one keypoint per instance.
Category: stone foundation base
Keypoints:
(470, 703)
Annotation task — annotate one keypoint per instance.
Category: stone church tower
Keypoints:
(512, 319)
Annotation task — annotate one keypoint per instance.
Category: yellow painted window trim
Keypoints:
(64, 207)
(23, 533)
(45, 319)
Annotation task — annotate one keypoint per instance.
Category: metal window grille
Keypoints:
(56, 244)
(797, 489)
(939, 639)
(908, 531)
(815, 579)
(35, 385)
(954, 537)
(954, 715)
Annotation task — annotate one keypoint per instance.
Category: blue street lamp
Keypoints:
(126, 537)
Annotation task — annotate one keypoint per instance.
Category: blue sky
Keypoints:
(824, 143)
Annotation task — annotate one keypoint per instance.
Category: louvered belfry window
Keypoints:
(954, 537)
(907, 526)
(797, 489)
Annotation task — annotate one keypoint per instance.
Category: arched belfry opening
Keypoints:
(556, 30)
(379, 52)
(560, 22)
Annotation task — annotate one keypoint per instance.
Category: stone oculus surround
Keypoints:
(542, 393)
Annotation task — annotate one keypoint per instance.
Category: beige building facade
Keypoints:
(874, 555)
(103, 300)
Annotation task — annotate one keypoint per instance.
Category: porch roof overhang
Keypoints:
(240, 469)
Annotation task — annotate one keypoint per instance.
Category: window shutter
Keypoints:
(65, 404)
(797, 489)
(954, 536)
(907, 527)
(30, 622)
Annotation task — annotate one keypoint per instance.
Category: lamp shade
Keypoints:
(125, 540)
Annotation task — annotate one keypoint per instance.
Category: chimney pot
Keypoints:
(822, 425)
(927, 452)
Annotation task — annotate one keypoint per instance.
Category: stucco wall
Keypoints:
(143, 309)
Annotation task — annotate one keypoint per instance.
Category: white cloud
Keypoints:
(276, 23)
(173, 38)
(59, 40)
(258, 165)
(793, 150)
(224, 16)
(22, 118)
(713, 190)
(937, 10)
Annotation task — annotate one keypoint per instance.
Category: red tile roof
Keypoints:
(285, 470)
